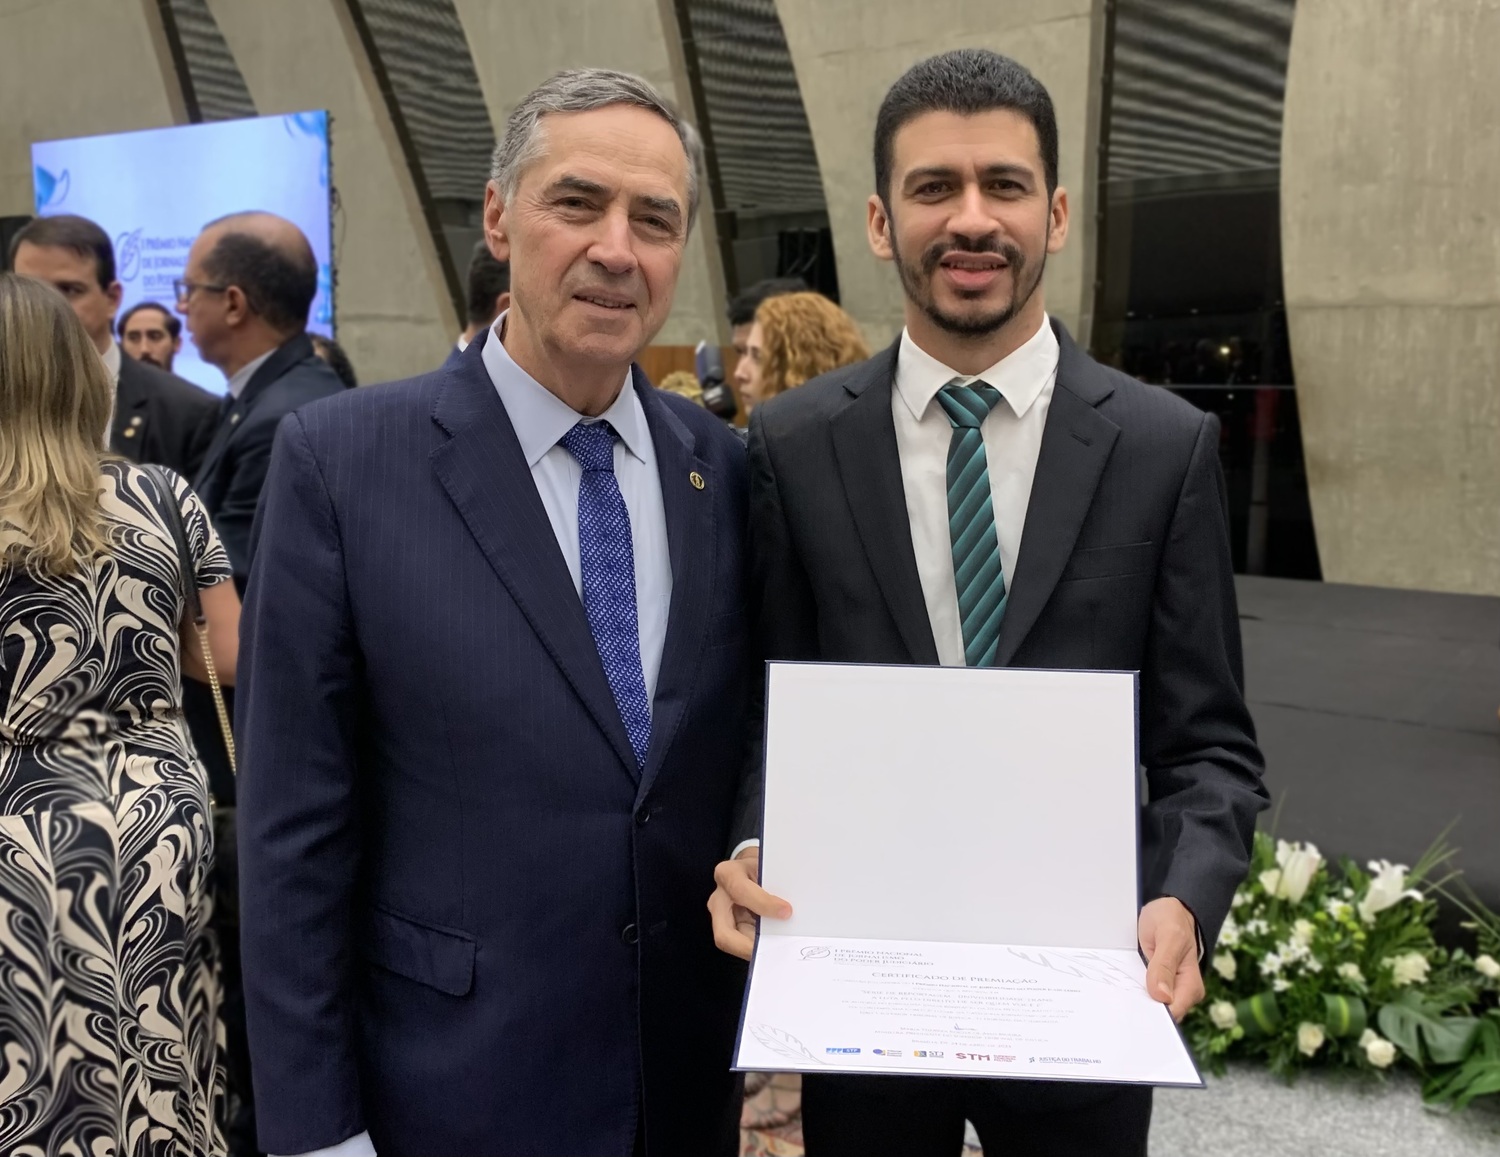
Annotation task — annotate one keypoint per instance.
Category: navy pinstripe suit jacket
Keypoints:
(468, 925)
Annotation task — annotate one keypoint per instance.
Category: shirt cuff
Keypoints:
(741, 846)
(359, 1146)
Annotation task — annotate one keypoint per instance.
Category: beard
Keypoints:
(916, 280)
(151, 361)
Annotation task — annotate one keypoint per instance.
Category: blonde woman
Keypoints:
(796, 337)
(108, 990)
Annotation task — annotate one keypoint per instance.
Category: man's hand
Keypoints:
(738, 900)
(1169, 938)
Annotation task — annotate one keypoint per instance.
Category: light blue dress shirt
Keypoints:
(540, 419)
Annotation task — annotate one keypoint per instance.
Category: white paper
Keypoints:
(954, 840)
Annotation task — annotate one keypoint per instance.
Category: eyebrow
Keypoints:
(668, 206)
(1001, 169)
(579, 185)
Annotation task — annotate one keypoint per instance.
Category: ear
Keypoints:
(177, 345)
(496, 227)
(878, 229)
(115, 291)
(236, 306)
(1057, 226)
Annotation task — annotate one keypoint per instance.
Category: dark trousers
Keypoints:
(846, 1116)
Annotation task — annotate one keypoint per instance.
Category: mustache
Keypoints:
(934, 255)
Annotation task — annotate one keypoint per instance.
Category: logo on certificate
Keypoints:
(928, 1053)
(886, 1052)
(842, 1052)
(815, 952)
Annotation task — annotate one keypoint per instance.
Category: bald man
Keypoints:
(249, 282)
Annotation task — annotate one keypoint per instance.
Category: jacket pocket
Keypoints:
(440, 958)
(1110, 561)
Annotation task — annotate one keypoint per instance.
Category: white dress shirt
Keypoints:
(541, 419)
(242, 376)
(1012, 442)
(111, 359)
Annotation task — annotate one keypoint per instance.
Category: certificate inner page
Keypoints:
(969, 1010)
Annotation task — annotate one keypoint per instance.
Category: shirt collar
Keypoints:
(1020, 376)
(111, 360)
(242, 378)
(541, 418)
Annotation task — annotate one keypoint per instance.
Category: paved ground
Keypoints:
(1251, 1114)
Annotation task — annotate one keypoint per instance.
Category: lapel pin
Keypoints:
(696, 479)
(234, 419)
(130, 431)
(137, 420)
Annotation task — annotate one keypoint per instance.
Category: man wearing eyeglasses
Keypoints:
(249, 283)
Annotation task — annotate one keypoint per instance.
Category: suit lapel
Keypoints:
(484, 471)
(864, 442)
(288, 354)
(1076, 444)
(128, 430)
(693, 543)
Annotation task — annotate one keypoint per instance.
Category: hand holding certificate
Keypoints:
(960, 846)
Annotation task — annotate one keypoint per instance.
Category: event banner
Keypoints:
(153, 191)
(960, 850)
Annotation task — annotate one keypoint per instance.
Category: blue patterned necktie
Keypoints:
(977, 572)
(606, 557)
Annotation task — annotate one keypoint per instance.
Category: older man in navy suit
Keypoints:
(491, 702)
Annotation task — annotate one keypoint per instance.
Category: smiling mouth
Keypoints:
(974, 262)
(605, 302)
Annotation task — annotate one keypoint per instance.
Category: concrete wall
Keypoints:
(74, 68)
(1391, 236)
(518, 45)
(395, 316)
(848, 53)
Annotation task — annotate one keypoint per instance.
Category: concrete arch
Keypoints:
(1391, 236)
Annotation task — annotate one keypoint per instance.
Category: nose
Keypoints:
(611, 247)
(970, 218)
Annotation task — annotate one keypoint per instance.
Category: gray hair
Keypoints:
(583, 90)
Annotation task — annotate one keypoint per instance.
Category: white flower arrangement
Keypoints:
(1337, 966)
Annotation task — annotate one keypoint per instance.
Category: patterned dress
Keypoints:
(109, 1025)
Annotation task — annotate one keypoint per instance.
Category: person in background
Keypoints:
(683, 383)
(107, 975)
(150, 333)
(488, 296)
(249, 283)
(742, 306)
(158, 417)
(794, 338)
(333, 353)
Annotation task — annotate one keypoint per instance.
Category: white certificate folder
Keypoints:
(960, 849)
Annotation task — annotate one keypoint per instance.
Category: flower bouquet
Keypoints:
(1327, 966)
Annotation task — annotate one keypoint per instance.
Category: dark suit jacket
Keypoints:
(1124, 565)
(161, 418)
(469, 924)
(234, 466)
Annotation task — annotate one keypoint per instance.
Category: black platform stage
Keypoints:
(1377, 709)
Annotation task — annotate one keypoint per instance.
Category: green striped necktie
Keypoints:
(977, 572)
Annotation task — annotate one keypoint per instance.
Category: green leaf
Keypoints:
(1344, 1016)
(1260, 1015)
(1415, 1027)
(1478, 1076)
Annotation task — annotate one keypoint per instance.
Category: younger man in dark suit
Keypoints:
(159, 418)
(1082, 528)
(489, 296)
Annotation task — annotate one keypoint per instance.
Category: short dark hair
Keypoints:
(742, 306)
(173, 323)
(967, 81)
(66, 231)
(279, 285)
(489, 277)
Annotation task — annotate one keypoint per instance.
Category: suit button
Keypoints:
(630, 934)
(643, 817)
